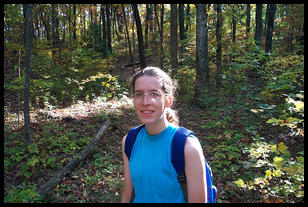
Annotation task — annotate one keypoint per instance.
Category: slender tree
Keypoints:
(187, 18)
(53, 30)
(247, 19)
(139, 35)
(104, 43)
(234, 23)
(108, 28)
(202, 66)
(161, 32)
(45, 19)
(270, 27)
(146, 27)
(27, 9)
(173, 38)
(258, 33)
(218, 50)
(181, 27)
(74, 22)
(162, 35)
(127, 34)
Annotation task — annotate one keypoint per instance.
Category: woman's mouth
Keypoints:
(147, 112)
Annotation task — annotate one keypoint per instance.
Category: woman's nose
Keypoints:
(145, 99)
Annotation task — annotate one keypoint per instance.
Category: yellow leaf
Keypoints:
(256, 110)
(299, 105)
(277, 159)
(282, 147)
(240, 183)
(268, 174)
(276, 173)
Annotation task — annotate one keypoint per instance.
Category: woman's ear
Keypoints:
(169, 101)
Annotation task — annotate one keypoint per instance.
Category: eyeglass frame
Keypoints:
(153, 97)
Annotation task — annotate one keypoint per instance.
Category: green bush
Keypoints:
(186, 81)
(23, 194)
(283, 177)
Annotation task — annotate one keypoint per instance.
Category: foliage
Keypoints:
(285, 75)
(283, 176)
(23, 194)
(251, 128)
(185, 78)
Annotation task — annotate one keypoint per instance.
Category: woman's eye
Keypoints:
(154, 94)
(138, 94)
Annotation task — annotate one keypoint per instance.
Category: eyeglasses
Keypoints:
(152, 95)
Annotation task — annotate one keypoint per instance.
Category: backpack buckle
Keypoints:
(182, 178)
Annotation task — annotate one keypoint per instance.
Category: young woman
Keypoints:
(150, 171)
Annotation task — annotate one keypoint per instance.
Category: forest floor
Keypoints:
(224, 125)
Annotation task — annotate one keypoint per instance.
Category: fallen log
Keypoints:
(131, 64)
(56, 179)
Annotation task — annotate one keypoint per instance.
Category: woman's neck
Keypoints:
(154, 129)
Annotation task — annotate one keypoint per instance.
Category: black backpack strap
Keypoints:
(178, 158)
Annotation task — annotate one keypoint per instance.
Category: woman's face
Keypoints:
(150, 101)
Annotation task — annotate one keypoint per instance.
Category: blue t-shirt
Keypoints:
(153, 175)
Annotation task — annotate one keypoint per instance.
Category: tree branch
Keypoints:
(56, 179)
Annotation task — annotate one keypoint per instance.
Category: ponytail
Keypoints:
(172, 116)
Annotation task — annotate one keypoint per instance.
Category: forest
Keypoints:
(67, 102)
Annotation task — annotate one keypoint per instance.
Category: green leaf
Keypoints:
(51, 160)
(273, 121)
(32, 162)
(282, 148)
(27, 174)
(240, 183)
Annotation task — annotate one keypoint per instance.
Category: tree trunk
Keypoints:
(108, 28)
(69, 27)
(104, 44)
(173, 38)
(45, 19)
(52, 182)
(258, 33)
(218, 51)
(64, 25)
(248, 19)
(187, 18)
(202, 67)
(182, 29)
(162, 36)
(74, 22)
(127, 34)
(84, 25)
(27, 9)
(53, 30)
(146, 30)
(270, 27)
(134, 41)
(161, 32)
(233, 23)
(266, 20)
(139, 35)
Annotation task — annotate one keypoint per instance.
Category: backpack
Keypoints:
(178, 160)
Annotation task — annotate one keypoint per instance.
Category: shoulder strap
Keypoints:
(130, 140)
(178, 158)
(178, 144)
(211, 191)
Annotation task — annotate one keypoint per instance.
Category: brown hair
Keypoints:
(168, 86)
